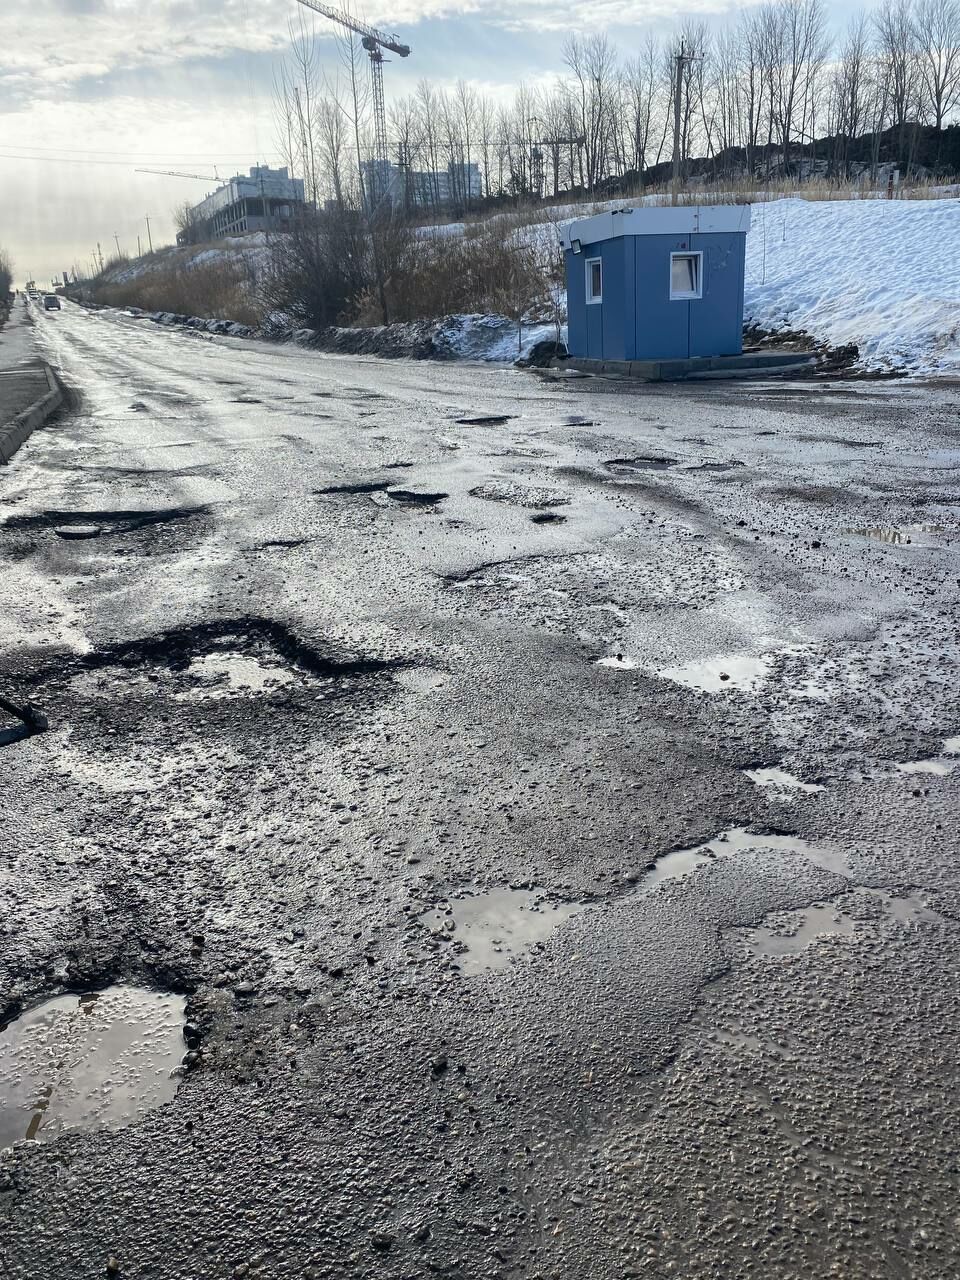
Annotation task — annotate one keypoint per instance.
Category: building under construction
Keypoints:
(401, 187)
(267, 200)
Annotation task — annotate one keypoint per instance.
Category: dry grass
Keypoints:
(220, 290)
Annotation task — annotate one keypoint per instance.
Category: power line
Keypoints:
(124, 164)
(113, 151)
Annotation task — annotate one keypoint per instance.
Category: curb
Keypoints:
(13, 435)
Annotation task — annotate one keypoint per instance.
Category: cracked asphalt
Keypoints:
(337, 652)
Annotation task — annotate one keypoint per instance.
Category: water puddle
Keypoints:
(497, 926)
(812, 923)
(680, 863)
(90, 1061)
(940, 766)
(743, 671)
(902, 535)
(619, 661)
(223, 674)
(780, 781)
(806, 927)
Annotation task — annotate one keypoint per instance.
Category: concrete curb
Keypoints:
(13, 435)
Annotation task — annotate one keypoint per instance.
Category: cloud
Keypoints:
(58, 42)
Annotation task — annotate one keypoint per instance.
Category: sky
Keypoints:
(93, 90)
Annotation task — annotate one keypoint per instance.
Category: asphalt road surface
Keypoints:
(542, 793)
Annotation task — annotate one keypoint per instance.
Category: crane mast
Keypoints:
(374, 42)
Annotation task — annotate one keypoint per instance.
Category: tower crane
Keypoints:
(374, 42)
(178, 173)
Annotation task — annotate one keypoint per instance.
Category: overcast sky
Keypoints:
(92, 89)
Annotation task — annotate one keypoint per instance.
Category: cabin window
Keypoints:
(594, 280)
(686, 271)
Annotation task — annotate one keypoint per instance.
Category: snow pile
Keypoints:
(883, 274)
(491, 337)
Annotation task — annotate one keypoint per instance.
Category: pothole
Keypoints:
(415, 497)
(77, 532)
(243, 656)
(898, 534)
(489, 930)
(547, 517)
(79, 524)
(779, 780)
(485, 420)
(357, 487)
(652, 462)
(98, 1060)
(717, 466)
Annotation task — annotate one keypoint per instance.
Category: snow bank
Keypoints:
(884, 274)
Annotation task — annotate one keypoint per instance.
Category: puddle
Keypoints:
(683, 862)
(812, 923)
(780, 780)
(625, 466)
(940, 766)
(619, 661)
(901, 535)
(88, 1062)
(821, 920)
(745, 671)
(497, 926)
(225, 673)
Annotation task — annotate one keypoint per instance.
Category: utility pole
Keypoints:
(139, 250)
(100, 256)
(116, 241)
(680, 59)
(149, 236)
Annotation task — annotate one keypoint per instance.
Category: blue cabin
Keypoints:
(656, 283)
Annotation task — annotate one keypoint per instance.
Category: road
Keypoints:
(549, 819)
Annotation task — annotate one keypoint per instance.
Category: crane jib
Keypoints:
(354, 24)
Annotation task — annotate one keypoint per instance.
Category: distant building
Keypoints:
(267, 200)
(457, 185)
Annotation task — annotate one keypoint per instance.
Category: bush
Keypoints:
(319, 269)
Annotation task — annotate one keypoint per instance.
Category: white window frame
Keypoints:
(686, 295)
(592, 298)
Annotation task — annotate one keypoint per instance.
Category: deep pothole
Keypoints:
(96, 1060)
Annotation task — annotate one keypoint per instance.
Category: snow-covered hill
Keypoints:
(884, 274)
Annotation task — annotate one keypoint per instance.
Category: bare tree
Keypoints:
(937, 35)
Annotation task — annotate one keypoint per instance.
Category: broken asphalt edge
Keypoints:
(24, 424)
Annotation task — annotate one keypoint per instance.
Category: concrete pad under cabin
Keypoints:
(743, 366)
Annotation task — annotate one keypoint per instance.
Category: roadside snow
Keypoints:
(884, 274)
